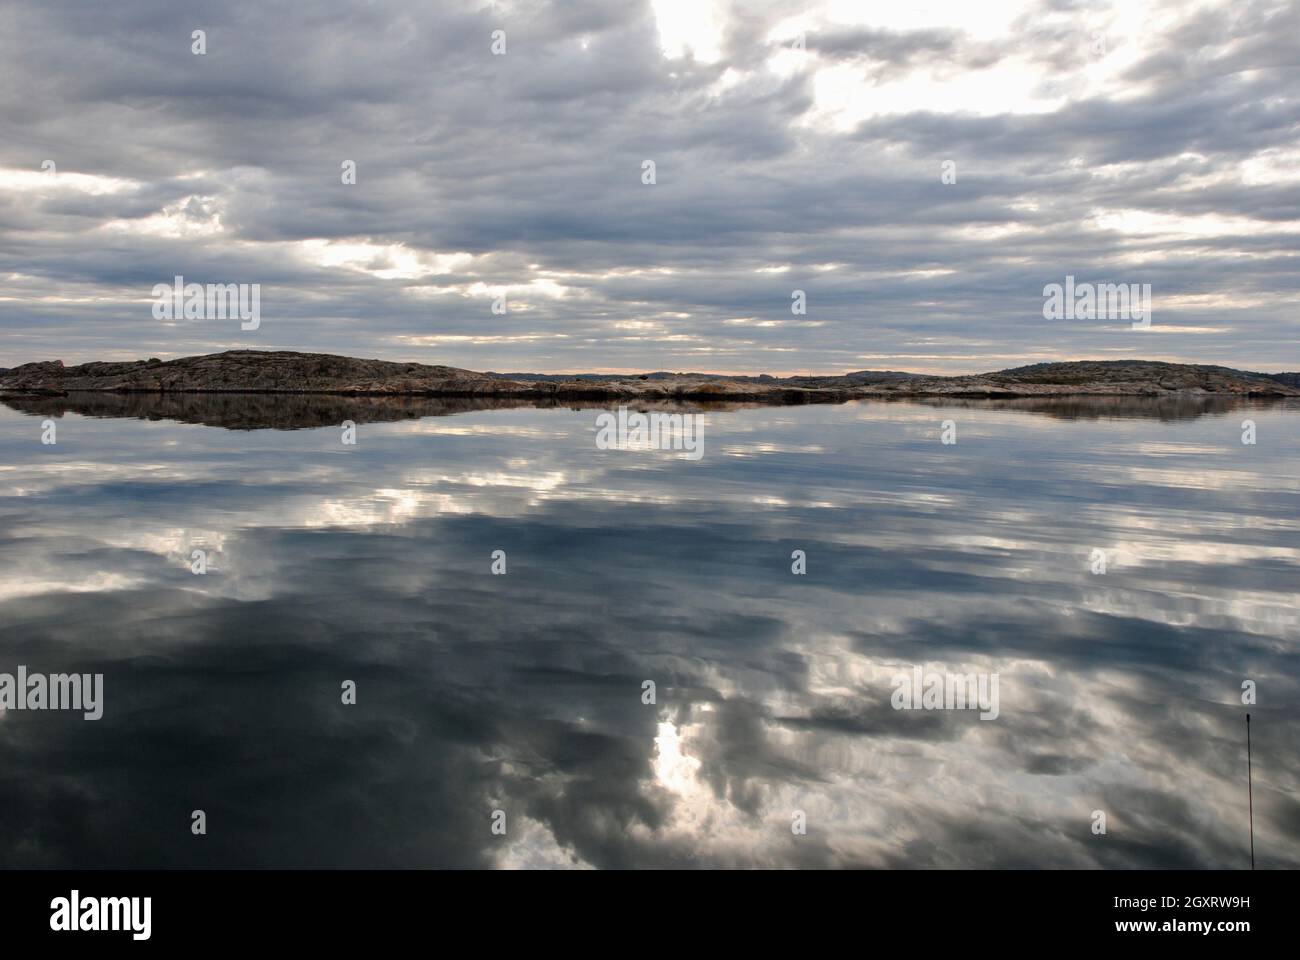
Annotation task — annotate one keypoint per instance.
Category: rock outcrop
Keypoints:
(287, 372)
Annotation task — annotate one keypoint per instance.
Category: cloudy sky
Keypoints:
(1134, 142)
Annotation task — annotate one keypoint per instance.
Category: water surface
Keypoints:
(1119, 692)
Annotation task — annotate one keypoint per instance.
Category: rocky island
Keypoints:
(288, 372)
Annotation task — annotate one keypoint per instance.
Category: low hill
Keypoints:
(289, 372)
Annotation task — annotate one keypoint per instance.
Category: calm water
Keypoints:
(1119, 692)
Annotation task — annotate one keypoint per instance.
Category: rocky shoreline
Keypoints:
(286, 372)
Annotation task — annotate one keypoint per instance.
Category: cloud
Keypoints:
(478, 173)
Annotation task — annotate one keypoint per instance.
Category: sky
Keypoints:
(919, 172)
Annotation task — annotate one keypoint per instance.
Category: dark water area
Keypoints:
(1119, 692)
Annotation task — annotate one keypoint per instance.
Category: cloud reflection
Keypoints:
(522, 692)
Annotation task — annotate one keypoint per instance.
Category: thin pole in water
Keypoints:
(1250, 793)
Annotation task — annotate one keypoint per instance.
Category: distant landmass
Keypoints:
(289, 372)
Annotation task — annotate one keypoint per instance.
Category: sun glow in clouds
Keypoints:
(689, 27)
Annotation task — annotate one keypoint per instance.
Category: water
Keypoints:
(1119, 692)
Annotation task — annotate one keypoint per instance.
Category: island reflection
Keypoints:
(253, 411)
